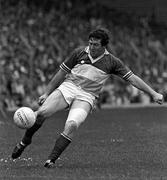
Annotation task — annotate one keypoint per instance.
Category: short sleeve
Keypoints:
(70, 61)
(120, 69)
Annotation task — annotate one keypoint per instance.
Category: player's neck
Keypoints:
(99, 54)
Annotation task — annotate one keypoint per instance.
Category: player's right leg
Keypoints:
(55, 102)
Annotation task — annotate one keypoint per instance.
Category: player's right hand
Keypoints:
(42, 99)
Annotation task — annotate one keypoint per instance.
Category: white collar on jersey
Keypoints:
(94, 60)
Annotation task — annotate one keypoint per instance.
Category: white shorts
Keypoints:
(71, 92)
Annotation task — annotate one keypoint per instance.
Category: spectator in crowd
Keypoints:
(48, 35)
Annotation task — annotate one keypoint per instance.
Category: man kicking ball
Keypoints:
(77, 85)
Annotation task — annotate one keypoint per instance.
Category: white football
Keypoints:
(24, 117)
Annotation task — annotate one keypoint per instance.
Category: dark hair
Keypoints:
(102, 34)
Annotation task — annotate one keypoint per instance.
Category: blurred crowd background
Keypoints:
(36, 36)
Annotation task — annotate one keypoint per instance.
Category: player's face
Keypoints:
(95, 47)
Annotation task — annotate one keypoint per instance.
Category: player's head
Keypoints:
(101, 34)
(98, 40)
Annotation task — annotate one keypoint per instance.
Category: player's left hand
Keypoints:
(158, 98)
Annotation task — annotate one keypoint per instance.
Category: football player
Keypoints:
(77, 85)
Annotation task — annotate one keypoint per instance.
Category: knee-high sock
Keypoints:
(29, 133)
(61, 144)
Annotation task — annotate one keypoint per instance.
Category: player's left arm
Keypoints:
(141, 85)
(123, 71)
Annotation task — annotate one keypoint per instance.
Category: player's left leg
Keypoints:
(77, 115)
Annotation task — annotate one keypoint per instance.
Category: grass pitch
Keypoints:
(113, 144)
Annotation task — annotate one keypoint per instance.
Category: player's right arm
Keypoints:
(57, 79)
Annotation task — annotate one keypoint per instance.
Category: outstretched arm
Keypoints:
(140, 84)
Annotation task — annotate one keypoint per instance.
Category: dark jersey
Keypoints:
(90, 74)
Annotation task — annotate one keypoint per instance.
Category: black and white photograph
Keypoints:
(83, 90)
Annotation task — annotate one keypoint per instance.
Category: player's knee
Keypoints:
(43, 113)
(72, 124)
(40, 117)
(70, 127)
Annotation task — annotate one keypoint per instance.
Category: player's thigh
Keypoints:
(78, 112)
(81, 104)
(55, 102)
